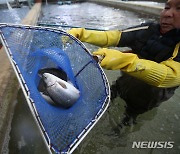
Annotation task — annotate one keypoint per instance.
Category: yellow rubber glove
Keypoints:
(99, 38)
(114, 59)
(165, 74)
(66, 39)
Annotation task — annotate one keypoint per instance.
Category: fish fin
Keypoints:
(62, 85)
(47, 98)
(41, 86)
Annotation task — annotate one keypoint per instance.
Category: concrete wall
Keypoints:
(8, 82)
(153, 10)
(10, 1)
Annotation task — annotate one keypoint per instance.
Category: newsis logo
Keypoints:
(152, 144)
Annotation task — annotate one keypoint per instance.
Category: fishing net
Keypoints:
(33, 48)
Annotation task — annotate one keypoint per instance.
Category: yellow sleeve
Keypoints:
(164, 74)
(99, 38)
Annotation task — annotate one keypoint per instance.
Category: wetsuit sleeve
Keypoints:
(165, 74)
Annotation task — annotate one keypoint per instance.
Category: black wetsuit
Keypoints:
(147, 42)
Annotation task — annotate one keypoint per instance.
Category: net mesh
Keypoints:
(34, 48)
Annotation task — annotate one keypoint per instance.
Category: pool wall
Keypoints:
(8, 83)
(129, 5)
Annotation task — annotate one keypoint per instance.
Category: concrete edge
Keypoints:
(153, 10)
(8, 83)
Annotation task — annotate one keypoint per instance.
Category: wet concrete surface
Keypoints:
(25, 136)
(7, 82)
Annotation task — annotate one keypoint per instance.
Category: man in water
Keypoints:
(151, 69)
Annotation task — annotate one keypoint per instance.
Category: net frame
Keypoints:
(31, 102)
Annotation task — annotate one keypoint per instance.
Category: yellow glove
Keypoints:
(99, 38)
(165, 74)
(114, 59)
(66, 39)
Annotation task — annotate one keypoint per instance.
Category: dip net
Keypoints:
(33, 48)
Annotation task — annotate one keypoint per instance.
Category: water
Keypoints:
(25, 136)
(159, 124)
(8, 5)
(13, 15)
(91, 16)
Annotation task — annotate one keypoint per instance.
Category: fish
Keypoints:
(58, 91)
(60, 73)
(47, 98)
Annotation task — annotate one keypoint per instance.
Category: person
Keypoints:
(151, 71)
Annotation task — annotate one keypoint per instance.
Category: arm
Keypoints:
(99, 38)
(130, 37)
(165, 74)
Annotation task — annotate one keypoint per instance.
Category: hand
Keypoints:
(109, 56)
(76, 32)
(114, 59)
(66, 39)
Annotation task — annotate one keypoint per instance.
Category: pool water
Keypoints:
(14, 15)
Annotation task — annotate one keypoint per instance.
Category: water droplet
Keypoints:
(176, 116)
(161, 128)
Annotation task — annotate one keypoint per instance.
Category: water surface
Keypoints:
(14, 15)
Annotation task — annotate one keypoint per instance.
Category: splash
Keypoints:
(8, 5)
